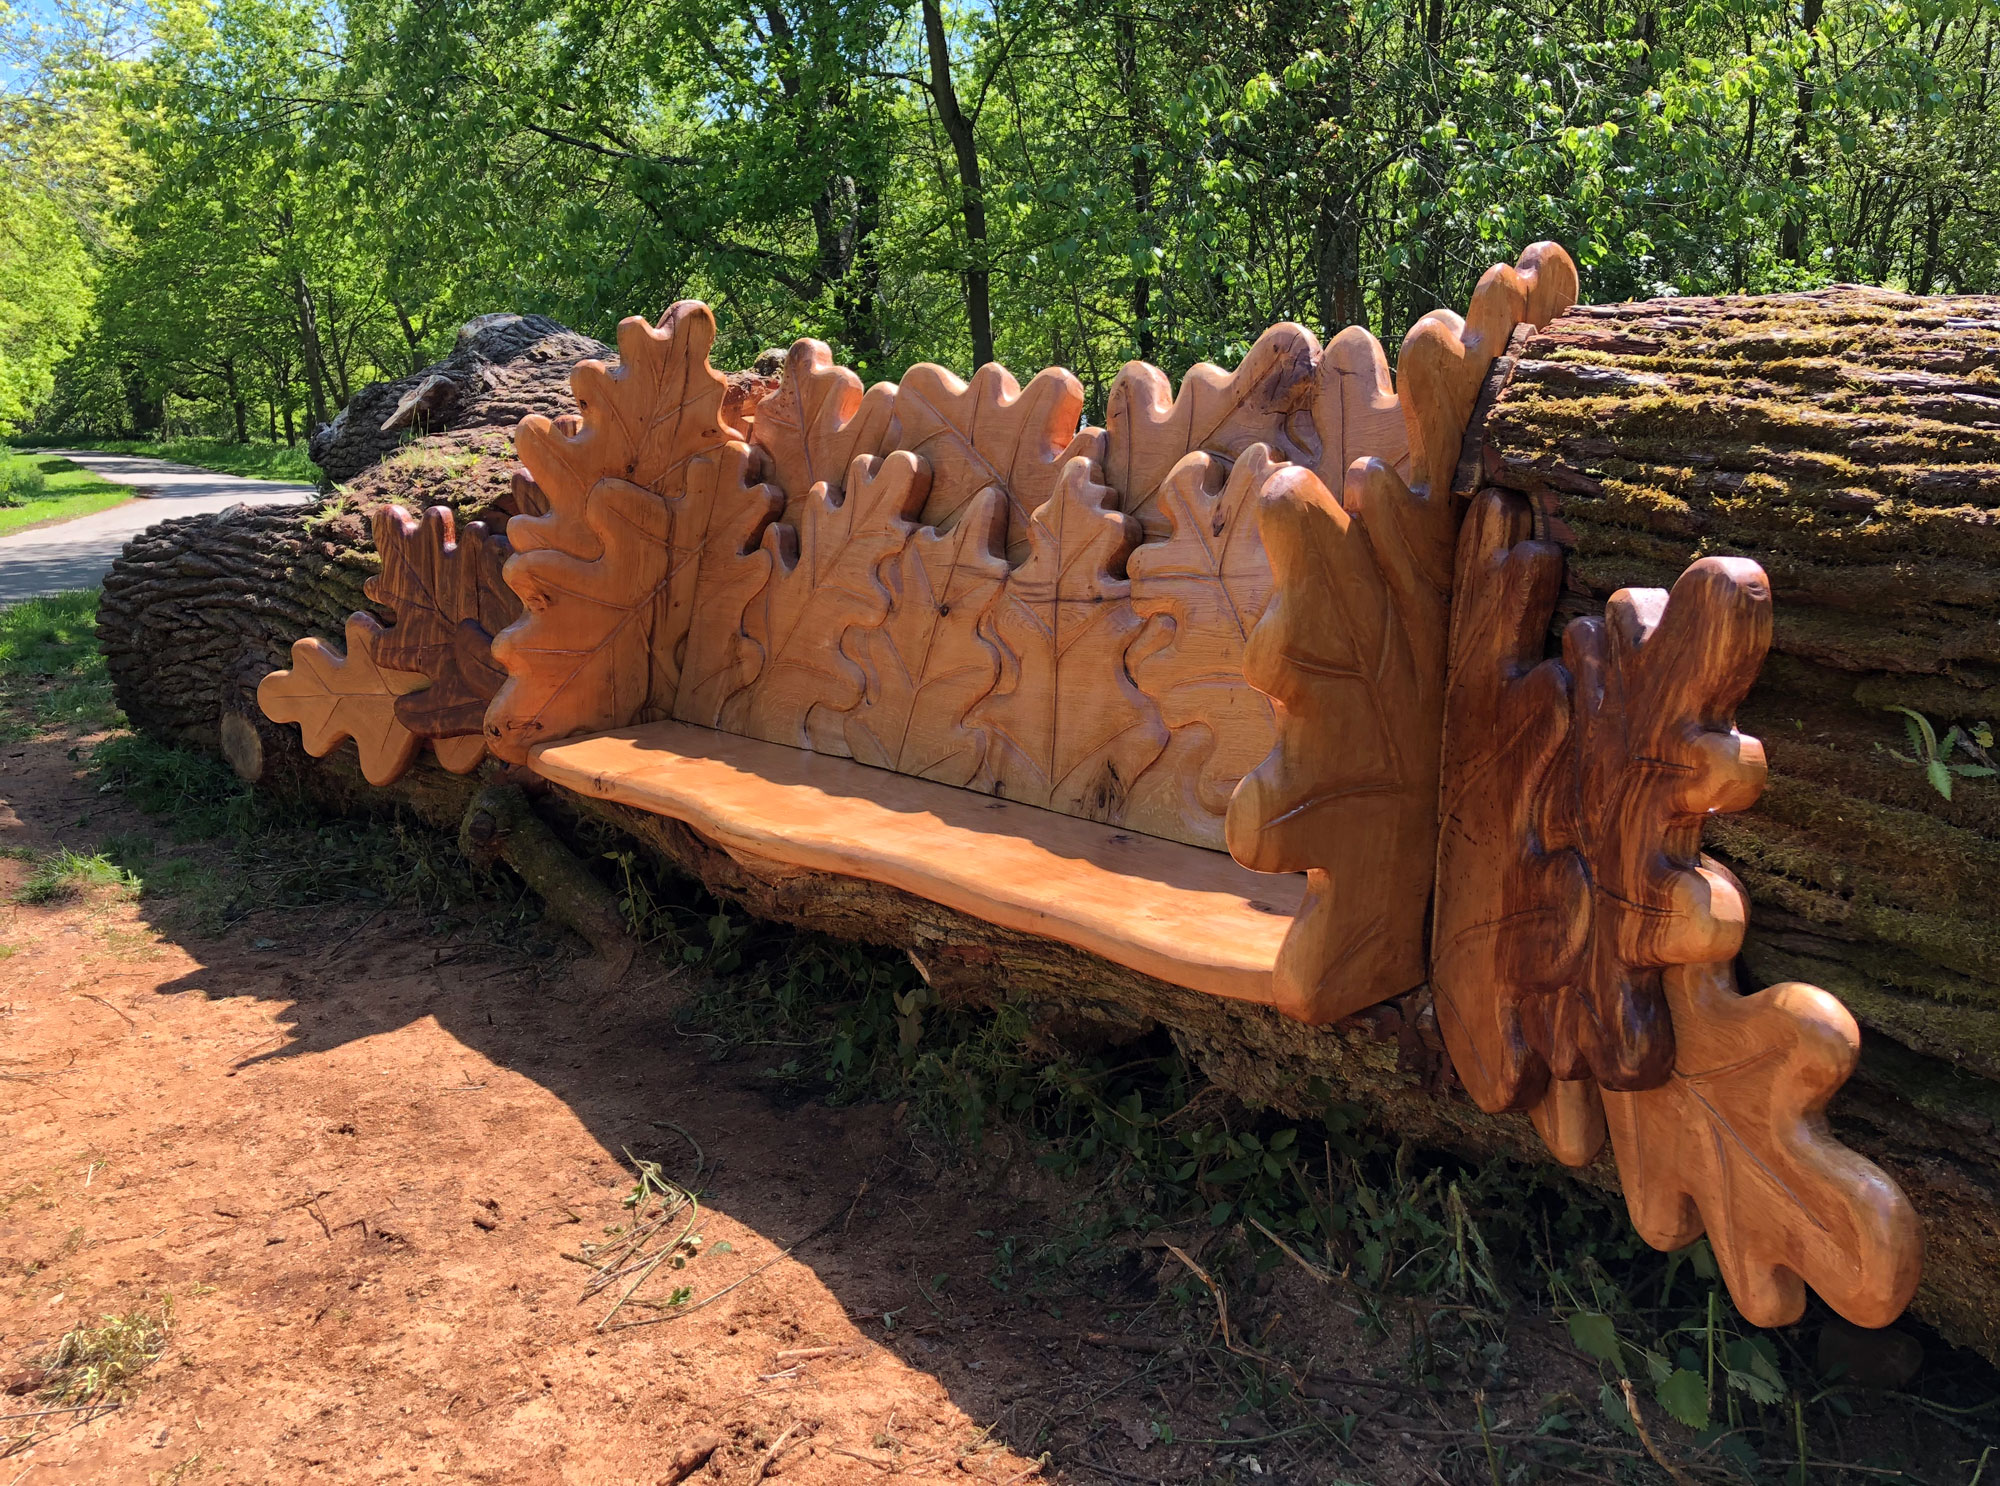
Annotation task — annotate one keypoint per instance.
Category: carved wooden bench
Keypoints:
(1245, 691)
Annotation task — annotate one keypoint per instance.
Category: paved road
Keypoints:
(77, 554)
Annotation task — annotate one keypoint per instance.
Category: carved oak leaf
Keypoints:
(1736, 1143)
(720, 567)
(1658, 680)
(1445, 359)
(1066, 726)
(817, 420)
(333, 697)
(927, 663)
(1150, 429)
(448, 601)
(1511, 920)
(988, 434)
(824, 583)
(1351, 651)
(1204, 586)
(1355, 411)
(607, 574)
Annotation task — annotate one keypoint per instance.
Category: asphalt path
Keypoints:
(77, 554)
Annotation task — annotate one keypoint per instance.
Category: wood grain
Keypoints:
(817, 421)
(1512, 915)
(447, 601)
(1186, 916)
(1350, 651)
(1203, 587)
(607, 585)
(1735, 1144)
(988, 434)
(1066, 725)
(334, 696)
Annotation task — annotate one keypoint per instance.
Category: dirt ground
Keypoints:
(356, 1155)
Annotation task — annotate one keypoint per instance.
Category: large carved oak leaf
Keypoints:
(1445, 359)
(1203, 586)
(1512, 914)
(447, 598)
(1149, 428)
(988, 434)
(825, 582)
(1735, 1144)
(1066, 726)
(333, 697)
(927, 663)
(1355, 411)
(1658, 680)
(817, 421)
(608, 573)
(1351, 651)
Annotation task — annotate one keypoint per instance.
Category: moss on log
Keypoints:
(1866, 881)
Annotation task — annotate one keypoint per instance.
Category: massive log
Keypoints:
(1848, 440)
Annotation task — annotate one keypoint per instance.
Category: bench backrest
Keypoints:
(952, 580)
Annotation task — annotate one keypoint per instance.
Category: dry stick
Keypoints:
(1293, 1254)
(857, 1455)
(82, 1408)
(92, 996)
(1674, 1472)
(1035, 1468)
(777, 1448)
(784, 1253)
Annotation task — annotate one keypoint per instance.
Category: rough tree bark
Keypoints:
(1849, 440)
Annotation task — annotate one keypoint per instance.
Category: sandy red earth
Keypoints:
(355, 1155)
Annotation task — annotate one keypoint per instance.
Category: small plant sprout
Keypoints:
(1934, 755)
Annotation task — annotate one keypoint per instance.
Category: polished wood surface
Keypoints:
(988, 434)
(817, 421)
(1735, 1144)
(1582, 942)
(1181, 914)
(607, 574)
(446, 599)
(334, 696)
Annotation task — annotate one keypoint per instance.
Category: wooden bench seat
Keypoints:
(1185, 915)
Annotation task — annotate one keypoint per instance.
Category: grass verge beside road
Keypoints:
(38, 489)
(257, 459)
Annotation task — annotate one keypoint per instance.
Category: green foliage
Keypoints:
(51, 671)
(35, 489)
(312, 196)
(64, 874)
(259, 458)
(1933, 754)
(102, 1362)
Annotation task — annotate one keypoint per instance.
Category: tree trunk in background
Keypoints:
(1836, 437)
(971, 187)
(310, 350)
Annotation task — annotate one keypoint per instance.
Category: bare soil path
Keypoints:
(355, 1155)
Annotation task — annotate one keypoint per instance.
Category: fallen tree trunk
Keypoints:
(197, 611)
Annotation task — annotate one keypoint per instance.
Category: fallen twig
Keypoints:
(777, 1449)
(81, 1408)
(1674, 1472)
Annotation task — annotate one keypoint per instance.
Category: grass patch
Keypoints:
(258, 459)
(38, 490)
(63, 875)
(101, 1363)
(52, 673)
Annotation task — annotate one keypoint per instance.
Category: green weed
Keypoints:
(64, 874)
(1934, 755)
(102, 1362)
(51, 639)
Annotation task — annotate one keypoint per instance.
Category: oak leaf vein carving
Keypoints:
(824, 582)
(1066, 725)
(927, 664)
(334, 697)
(607, 585)
(1150, 428)
(1658, 680)
(445, 593)
(989, 433)
(1203, 587)
(1735, 1143)
(817, 420)
(1350, 649)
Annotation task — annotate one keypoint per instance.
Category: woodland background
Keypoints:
(223, 217)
